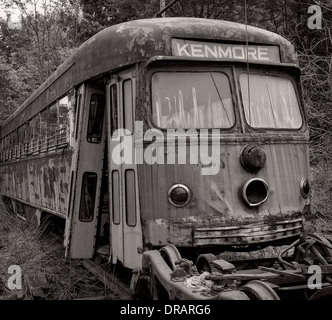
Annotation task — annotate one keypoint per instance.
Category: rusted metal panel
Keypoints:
(41, 181)
(255, 233)
(216, 200)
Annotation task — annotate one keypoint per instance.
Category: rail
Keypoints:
(119, 289)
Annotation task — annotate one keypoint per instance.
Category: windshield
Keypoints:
(273, 102)
(192, 100)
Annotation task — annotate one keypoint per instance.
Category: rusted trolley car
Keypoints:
(178, 148)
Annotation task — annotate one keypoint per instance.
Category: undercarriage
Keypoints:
(301, 270)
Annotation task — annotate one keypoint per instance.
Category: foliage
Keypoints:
(47, 32)
(16, 77)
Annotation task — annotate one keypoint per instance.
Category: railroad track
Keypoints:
(119, 290)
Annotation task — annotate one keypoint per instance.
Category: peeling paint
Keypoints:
(216, 200)
(161, 222)
(37, 181)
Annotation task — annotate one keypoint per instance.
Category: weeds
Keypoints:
(39, 253)
(321, 178)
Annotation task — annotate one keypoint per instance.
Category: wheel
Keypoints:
(203, 262)
(259, 290)
(170, 254)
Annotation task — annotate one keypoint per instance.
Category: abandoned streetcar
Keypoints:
(167, 89)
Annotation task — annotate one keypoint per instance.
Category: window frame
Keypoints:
(52, 129)
(224, 68)
(128, 111)
(130, 198)
(268, 71)
(115, 197)
(114, 105)
(93, 200)
(88, 139)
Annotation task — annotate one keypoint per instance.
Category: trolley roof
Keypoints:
(130, 42)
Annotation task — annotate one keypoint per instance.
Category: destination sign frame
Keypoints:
(225, 51)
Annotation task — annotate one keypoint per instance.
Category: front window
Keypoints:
(271, 103)
(192, 100)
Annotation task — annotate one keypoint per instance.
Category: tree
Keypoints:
(15, 77)
(47, 31)
(99, 14)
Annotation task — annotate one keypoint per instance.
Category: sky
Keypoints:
(14, 13)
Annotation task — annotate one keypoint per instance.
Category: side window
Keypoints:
(77, 112)
(21, 131)
(31, 135)
(43, 128)
(88, 195)
(3, 155)
(128, 105)
(114, 108)
(10, 145)
(4, 149)
(63, 120)
(21, 138)
(130, 198)
(26, 137)
(96, 116)
(116, 197)
(71, 115)
(15, 144)
(35, 130)
(7, 147)
(53, 124)
(36, 126)
(28, 132)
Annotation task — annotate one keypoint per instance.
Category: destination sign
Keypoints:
(225, 51)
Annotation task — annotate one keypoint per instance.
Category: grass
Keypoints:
(321, 181)
(37, 253)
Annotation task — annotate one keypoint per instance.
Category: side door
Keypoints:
(86, 176)
(125, 224)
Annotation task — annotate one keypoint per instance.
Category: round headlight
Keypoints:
(305, 188)
(255, 191)
(252, 157)
(179, 195)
